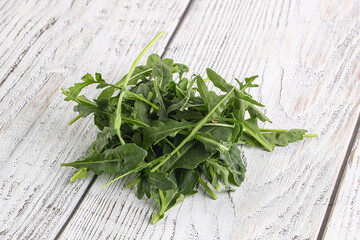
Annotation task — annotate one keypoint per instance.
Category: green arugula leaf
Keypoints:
(81, 173)
(142, 112)
(284, 138)
(100, 80)
(185, 181)
(161, 181)
(247, 98)
(181, 69)
(256, 113)
(103, 139)
(144, 187)
(251, 127)
(218, 81)
(191, 155)
(162, 74)
(158, 100)
(210, 98)
(153, 60)
(239, 115)
(211, 143)
(187, 115)
(236, 166)
(248, 83)
(221, 171)
(113, 161)
(76, 89)
(162, 129)
(183, 103)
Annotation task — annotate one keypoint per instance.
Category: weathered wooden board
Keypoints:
(344, 220)
(46, 45)
(307, 54)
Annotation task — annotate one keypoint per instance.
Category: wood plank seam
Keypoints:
(65, 224)
(339, 179)
(182, 17)
(76, 207)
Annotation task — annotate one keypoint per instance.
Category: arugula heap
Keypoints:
(172, 134)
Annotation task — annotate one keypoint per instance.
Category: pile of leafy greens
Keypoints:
(172, 134)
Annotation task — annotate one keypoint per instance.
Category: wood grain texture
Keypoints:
(307, 54)
(46, 45)
(344, 221)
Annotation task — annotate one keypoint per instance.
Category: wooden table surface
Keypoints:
(307, 54)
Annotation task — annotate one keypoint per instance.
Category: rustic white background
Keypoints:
(307, 54)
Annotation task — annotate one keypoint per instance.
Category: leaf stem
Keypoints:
(258, 137)
(180, 90)
(311, 135)
(127, 173)
(162, 200)
(211, 170)
(112, 85)
(162, 208)
(143, 99)
(124, 87)
(135, 122)
(79, 174)
(75, 119)
(133, 183)
(79, 100)
(122, 142)
(118, 84)
(211, 193)
(272, 130)
(172, 145)
(219, 125)
(202, 138)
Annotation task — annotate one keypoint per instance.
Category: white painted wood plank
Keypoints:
(308, 80)
(344, 221)
(46, 45)
(307, 54)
